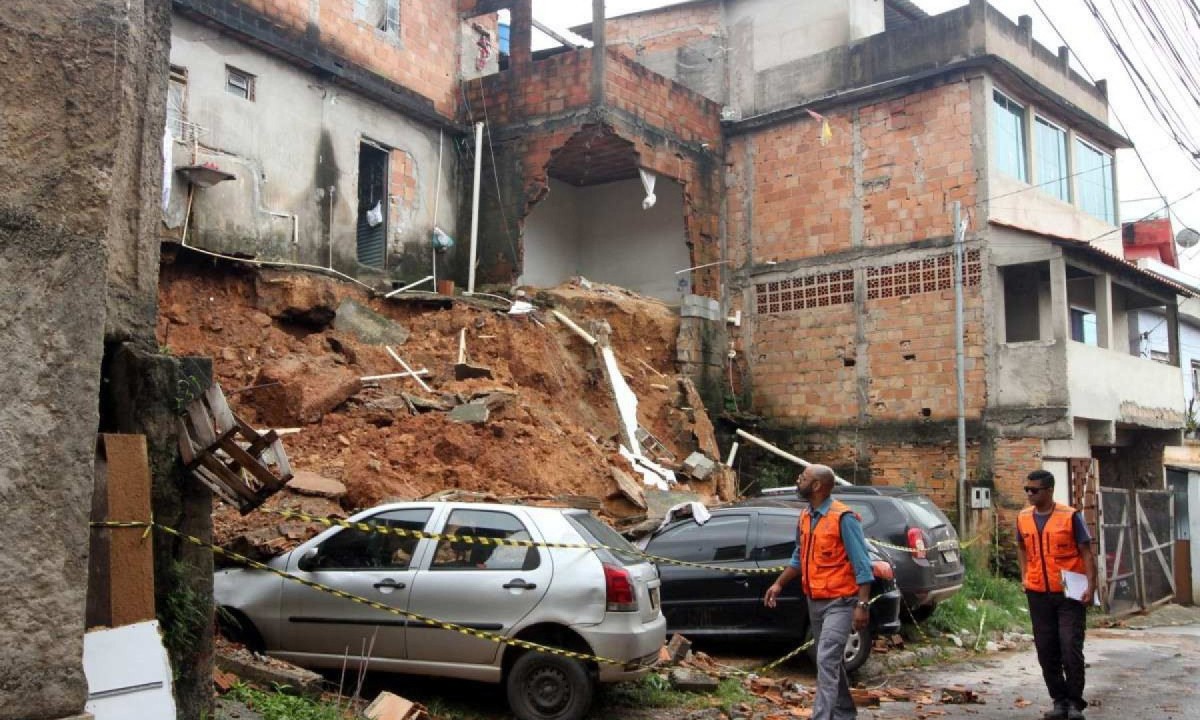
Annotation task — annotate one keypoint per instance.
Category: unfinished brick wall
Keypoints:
(660, 102)
(931, 469)
(798, 366)
(559, 86)
(403, 196)
(422, 56)
(895, 166)
(664, 28)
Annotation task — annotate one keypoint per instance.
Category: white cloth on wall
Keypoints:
(648, 180)
(167, 147)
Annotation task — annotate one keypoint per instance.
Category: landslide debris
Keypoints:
(290, 350)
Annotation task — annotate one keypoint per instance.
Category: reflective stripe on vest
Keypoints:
(1049, 553)
(827, 570)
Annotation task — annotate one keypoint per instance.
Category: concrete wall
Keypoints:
(602, 233)
(1153, 322)
(1148, 394)
(84, 84)
(298, 138)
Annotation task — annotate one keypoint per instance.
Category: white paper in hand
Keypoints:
(1074, 584)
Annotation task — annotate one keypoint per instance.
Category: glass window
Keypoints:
(924, 511)
(1095, 182)
(776, 537)
(595, 531)
(1050, 159)
(1083, 326)
(353, 549)
(1009, 140)
(721, 538)
(459, 554)
(239, 82)
(866, 513)
(383, 14)
(177, 102)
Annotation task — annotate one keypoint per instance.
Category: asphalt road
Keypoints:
(1151, 674)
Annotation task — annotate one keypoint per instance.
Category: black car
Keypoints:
(929, 566)
(711, 603)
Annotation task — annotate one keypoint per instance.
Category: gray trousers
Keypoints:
(831, 622)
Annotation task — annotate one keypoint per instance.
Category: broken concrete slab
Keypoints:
(699, 466)
(368, 326)
(272, 672)
(423, 403)
(296, 297)
(702, 427)
(310, 483)
(493, 399)
(629, 488)
(389, 706)
(687, 680)
(296, 392)
(678, 648)
(473, 413)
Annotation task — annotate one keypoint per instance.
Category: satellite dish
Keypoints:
(1187, 238)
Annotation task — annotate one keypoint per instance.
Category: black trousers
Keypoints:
(1058, 627)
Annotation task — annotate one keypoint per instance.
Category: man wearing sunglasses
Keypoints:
(1054, 539)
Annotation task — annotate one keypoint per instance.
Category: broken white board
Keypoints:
(652, 473)
(128, 673)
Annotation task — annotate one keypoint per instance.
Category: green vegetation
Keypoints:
(655, 691)
(277, 705)
(184, 614)
(996, 601)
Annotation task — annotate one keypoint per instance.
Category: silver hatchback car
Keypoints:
(589, 601)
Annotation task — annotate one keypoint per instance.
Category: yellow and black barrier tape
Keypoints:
(433, 622)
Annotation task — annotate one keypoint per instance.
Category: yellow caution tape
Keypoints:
(433, 622)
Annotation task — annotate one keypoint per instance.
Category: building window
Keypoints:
(1083, 326)
(177, 103)
(383, 15)
(239, 82)
(1196, 378)
(1095, 178)
(1009, 140)
(1050, 159)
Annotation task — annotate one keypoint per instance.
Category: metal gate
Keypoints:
(1136, 549)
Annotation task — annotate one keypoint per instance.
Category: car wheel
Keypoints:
(858, 649)
(549, 687)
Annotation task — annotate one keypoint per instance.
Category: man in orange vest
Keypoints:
(1054, 539)
(835, 572)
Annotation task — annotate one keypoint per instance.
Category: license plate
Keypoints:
(950, 556)
(653, 598)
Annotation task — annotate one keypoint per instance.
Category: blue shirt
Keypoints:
(852, 538)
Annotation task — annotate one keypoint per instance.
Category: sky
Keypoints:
(1169, 167)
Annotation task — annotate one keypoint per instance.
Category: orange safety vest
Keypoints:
(827, 570)
(1046, 555)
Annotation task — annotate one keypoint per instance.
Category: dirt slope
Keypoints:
(553, 426)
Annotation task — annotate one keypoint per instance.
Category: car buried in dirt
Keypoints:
(593, 602)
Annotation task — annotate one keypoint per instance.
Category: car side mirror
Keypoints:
(308, 561)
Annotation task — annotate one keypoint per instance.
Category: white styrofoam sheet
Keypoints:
(128, 673)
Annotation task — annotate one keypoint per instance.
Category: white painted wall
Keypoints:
(273, 143)
(602, 233)
(786, 31)
(1018, 206)
(1100, 381)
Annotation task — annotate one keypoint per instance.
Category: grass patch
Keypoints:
(996, 601)
(275, 705)
(655, 691)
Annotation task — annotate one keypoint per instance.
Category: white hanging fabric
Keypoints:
(648, 179)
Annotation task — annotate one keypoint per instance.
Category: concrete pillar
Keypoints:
(520, 46)
(1060, 314)
(598, 51)
(1173, 332)
(1104, 311)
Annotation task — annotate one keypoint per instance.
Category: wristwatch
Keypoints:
(862, 605)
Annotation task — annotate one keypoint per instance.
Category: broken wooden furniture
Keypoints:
(235, 461)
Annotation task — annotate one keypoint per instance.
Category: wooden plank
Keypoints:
(251, 464)
(223, 421)
(131, 556)
(281, 460)
(210, 481)
(186, 452)
(222, 474)
(203, 431)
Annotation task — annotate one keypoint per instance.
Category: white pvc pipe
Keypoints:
(408, 369)
(475, 207)
(732, 454)
(410, 286)
(783, 453)
(578, 330)
(389, 376)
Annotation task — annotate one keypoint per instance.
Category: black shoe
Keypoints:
(1061, 711)
(1074, 712)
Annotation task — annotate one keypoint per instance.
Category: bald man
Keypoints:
(835, 572)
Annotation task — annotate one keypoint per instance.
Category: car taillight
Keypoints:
(916, 541)
(618, 589)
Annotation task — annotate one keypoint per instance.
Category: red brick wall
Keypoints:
(424, 58)
(798, 370)
(660, 102)
(402, 190)
(555, 85)
(931, 469)
(916, 157)
(664, 29)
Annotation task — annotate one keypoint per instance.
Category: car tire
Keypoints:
(858, 649)
(549, 687)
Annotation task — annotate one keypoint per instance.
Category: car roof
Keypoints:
(534, 510)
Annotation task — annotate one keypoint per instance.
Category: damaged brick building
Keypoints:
(803, 161)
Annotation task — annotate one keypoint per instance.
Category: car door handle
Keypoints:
(392, 584)
(518, 584)
(741, 579)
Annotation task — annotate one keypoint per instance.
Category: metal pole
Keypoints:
(960, 367)
(475, 207)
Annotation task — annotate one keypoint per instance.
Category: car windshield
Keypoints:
(594, 530)
(923, 510)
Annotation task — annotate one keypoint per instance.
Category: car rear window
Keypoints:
(866, 513)
(594, 530)
(924, 511)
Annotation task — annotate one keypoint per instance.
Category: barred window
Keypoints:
(920, 276)
(802, 293)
